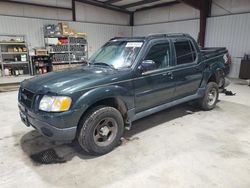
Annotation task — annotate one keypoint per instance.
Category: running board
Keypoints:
(150, 111)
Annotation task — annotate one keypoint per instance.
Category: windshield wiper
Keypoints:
(103, 64)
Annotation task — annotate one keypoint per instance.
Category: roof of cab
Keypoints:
(152, 36)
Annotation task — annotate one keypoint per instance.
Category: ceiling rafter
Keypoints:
(34, 4)
(143, 2)
(112, 1)
(159, 5)
(104, 5)
(193, 3)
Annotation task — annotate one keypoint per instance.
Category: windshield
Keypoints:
(117, 54)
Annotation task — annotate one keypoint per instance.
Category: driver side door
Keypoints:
(155, 87)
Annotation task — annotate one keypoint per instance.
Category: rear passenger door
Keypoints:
(187, 72)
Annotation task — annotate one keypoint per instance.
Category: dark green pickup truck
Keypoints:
(125, 80)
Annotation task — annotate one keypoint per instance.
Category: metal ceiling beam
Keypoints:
(159, 5)
(35, 4)
(73, 10)
(112, 1)
(131, 19)
(193, 3)
(205, 9)
(143, 2)
(204, 6)
(104, 5)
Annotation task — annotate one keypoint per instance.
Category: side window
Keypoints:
(193, 51)
(185, 52)
(160, 54)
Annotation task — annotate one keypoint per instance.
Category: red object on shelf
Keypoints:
(64, 41)
(44, 70)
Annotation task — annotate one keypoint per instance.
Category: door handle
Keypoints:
(197, 68)
(169, 74)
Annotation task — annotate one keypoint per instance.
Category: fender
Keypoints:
(214, 71)
(97, 94)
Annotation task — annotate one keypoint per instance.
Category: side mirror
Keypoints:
(147, 65)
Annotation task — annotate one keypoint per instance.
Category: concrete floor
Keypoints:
(179, 147)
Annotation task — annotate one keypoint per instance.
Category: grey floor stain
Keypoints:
(48, 156)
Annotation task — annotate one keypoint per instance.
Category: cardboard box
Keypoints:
(52, 41)
(66, 31)
(65, 28)
(72, 32)
(60, 67)
(41, 51)
(64, 66)
(64, 25)
(10, 49)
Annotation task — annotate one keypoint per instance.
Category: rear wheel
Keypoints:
(209, 100)
(101, 130)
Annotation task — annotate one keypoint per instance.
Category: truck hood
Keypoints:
(70, 80)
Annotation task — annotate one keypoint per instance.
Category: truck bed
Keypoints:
(212, 52)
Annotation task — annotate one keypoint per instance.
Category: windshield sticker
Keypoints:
(134, 44)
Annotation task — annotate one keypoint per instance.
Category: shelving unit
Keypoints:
(66, 50)
(14, 55)
(41, 64)
(16, 62)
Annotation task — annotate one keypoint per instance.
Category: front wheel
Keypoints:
(101, 130)
(209, 100)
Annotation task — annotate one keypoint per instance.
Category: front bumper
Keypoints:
(41, 123)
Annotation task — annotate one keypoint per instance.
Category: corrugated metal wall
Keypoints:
(84, 12)
(233, 32)
(227, 7)
(165, 14)
(98, 34)
(23, 10)
(61, 3)
(33, 29)
(93, 14)
(230, 31)
(190, 26)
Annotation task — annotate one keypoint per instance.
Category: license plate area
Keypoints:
(21, 107)
(23, 115)
(24, 119)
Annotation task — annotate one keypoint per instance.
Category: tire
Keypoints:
(100, 130)
(209, 100)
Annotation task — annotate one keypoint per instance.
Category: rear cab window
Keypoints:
(185, 52)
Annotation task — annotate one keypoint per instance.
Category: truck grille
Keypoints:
(26, 97)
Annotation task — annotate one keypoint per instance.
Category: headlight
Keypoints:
(55, 103)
